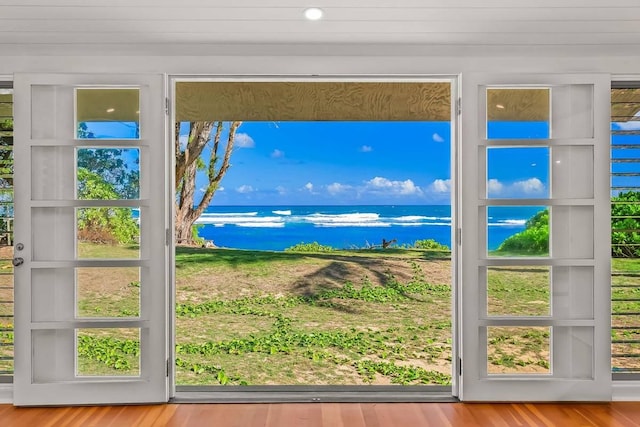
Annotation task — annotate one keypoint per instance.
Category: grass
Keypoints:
(347, 317)
(307, 332)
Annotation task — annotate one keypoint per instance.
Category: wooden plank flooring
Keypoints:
(617, 414)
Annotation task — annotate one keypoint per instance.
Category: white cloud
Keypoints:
(220, 189)
(245, 189)
(308, 186)
(336, 188)
(529, 186)
(437, 138)
(281, 190)
(366, 149)
(243, 140)
(379, 182)
(441, 186)
(276, 154)
(401, 188)
(494, 187)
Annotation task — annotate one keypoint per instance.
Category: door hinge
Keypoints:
(166, 106)
(167, 237)
(460, 366)
(168, 362)
(459, 106)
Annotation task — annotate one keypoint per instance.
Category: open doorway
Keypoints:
(313, 234)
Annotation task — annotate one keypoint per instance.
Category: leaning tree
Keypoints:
(190, 159)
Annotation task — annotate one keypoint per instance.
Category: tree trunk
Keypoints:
(187, 164)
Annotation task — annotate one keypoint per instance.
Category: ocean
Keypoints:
(346, 227)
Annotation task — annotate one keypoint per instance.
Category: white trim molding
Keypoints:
(623, 391)
(626, 391)
(6, 393)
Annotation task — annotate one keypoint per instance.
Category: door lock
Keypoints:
(17, 261)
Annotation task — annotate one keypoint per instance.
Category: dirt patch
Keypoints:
(306, 277)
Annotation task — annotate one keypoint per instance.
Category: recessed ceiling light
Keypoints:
(110, 110)
(313, 13)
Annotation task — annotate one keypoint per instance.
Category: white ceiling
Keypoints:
(356, 26)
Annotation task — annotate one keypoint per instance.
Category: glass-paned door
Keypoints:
(90, 240)
(535, 238)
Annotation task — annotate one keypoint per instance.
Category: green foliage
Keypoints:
(219, 372)
(6, 167)
(83, 131)
(430, 244)
(393, 291)
(534, 240)
(112, 352)
(195, 234)
(6, 125)
(625, 215)
(625, 221)
(515, 349)
(106, 225)
(309, 247)
(110, 165)
(401, 374)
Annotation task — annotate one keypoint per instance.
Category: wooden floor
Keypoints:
(330, 415)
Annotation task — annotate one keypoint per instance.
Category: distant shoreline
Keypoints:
(276, 227)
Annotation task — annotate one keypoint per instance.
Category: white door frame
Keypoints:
(456, 127)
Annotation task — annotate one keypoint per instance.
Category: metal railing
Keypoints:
(625, 224)
(6, 232)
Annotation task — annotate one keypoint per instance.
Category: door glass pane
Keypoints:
(108, 292)
(107, 113)
(518, 350)
(108, 352)
(518, 113)
(108, 173)
(518, 172)
(517, 231)
(518, 291)
(108, 232)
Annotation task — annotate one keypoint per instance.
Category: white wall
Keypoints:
(281, 63)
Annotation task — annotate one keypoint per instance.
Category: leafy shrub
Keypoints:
(534, 240)
(309, 247)
(6, 124)
(625, 216)
(103, 225)
(430, 244)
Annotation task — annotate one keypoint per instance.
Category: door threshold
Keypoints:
(306, 394)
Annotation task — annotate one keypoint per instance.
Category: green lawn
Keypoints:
(340, 318)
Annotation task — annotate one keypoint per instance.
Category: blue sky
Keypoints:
(338, 163)
(362, 163)
(369, 163)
